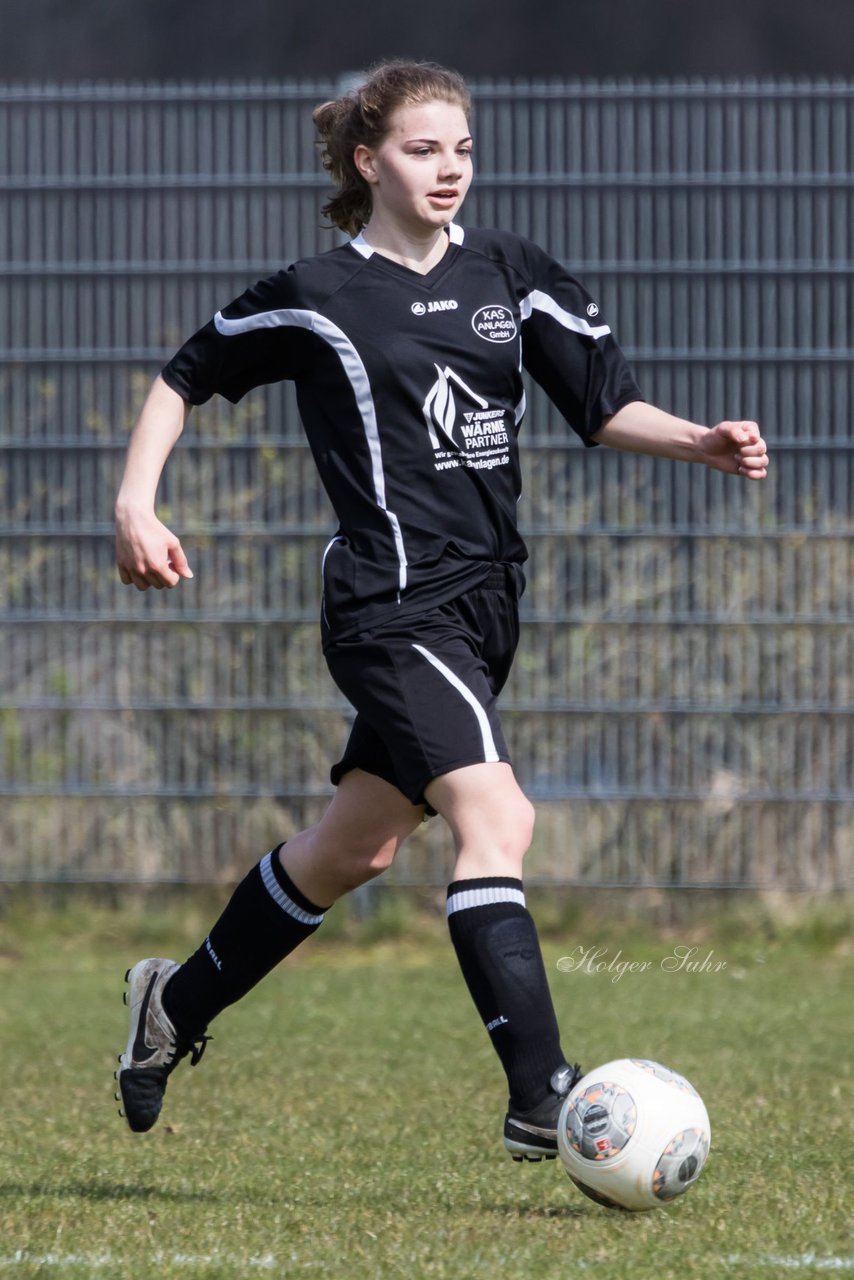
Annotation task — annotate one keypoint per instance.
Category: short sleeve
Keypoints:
(260, 337)
(569, 349)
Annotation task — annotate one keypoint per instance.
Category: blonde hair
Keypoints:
(363, 117)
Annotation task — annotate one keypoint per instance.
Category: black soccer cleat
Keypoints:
(532, 1135)
(154, 1047)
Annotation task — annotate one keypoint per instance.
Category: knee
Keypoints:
(507, 827)
(372, 858)
(520, 825)
(366, 858)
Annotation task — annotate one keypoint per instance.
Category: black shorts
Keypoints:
(425, 689)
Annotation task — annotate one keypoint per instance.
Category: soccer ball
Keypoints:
(633, 1134)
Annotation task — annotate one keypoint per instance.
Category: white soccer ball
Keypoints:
(633, 1134)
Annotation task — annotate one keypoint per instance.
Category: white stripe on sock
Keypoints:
(279, 896)
(463, 899)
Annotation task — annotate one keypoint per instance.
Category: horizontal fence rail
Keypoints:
(682, 706)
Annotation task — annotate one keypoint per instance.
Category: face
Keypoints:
(422, 169)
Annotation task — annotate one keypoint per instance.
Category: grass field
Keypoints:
(345, 1121)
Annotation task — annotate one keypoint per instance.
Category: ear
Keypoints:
(363, 159)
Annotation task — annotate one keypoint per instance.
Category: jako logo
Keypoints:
(448, 304)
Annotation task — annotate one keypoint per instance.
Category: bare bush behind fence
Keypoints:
(682, 707)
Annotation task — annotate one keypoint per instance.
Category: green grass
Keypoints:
(346, 1120)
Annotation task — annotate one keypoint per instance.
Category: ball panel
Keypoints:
(680, 1163)
(600, 1121)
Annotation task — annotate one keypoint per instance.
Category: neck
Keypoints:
(419, 253)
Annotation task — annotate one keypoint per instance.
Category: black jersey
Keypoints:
(410, 392)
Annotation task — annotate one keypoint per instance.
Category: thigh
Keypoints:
(425, 704)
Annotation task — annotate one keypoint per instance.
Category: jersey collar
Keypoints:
(456, 234)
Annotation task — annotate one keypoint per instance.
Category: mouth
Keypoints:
(445, 195)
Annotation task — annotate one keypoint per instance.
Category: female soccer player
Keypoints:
(406, 345)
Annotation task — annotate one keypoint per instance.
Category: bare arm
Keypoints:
(147, 553)
(733, 447)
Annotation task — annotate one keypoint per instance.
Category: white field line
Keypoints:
(792, 1262)
(267, 1262)
(97, 1261)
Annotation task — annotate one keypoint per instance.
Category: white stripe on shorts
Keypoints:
(490, 753)
(279, 896)
(462, 899)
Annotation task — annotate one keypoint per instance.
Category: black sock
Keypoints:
(499, 953)
(265, 919)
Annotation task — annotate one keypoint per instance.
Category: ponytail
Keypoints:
(341, 130)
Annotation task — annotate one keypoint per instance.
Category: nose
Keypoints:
(451, 168)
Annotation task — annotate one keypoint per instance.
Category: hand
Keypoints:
(147, 553)
(737, 448)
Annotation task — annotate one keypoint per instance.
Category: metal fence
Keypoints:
(682, 708)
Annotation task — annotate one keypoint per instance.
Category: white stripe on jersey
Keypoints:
(464, 899)
(539, 301)
(490, 752)
(358, 377)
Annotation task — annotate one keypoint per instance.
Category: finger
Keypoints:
(143, 578)
(124, 576)
(152, 573)
(752, 469)
(170, 573)
(753, 461)
(741, 432)
(178, 561)
(161, 577)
